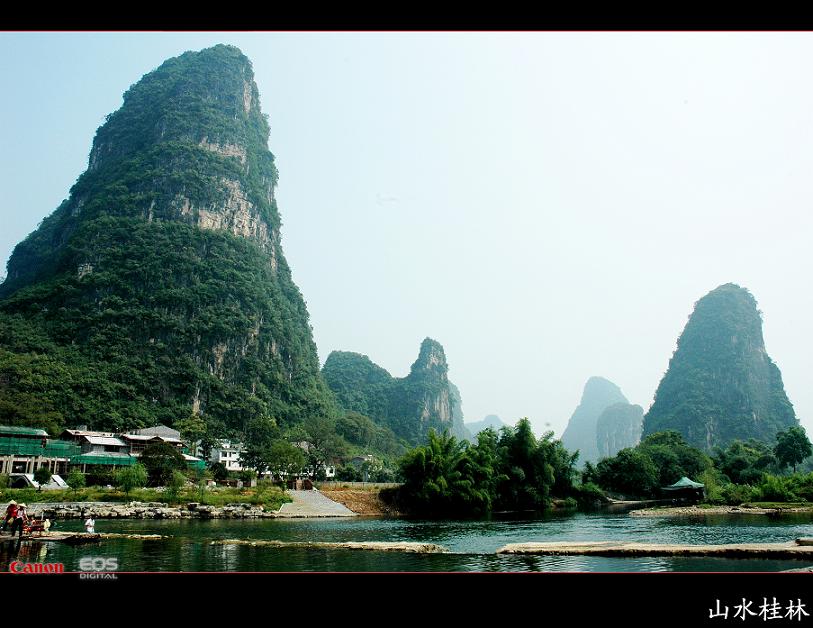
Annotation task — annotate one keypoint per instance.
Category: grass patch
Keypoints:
(778, 505)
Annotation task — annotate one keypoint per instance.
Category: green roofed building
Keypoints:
(685, 488)
(26, 449)
(103, 459)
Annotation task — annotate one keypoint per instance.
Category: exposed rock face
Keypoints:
(618, 427)
(580, 432)
(721, 385)
(459, 428)
(409, 406)
(491, 420)
(159, 287)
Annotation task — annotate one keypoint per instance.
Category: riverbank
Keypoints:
(299, 504)
(705, 510)
(147, 510)
(366, 502)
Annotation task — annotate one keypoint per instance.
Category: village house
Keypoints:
(228, 453)
(26, 449)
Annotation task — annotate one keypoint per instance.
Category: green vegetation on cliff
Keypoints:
(408, 406)
(159, 287)
(721, 385)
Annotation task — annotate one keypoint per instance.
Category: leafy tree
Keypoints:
(792, 447)
(630, 471)
(193, 429)
(247, 476)
(513, 470)
(42, 476)
(325, 445)
(528, 465)
(589, 474)
(260, 433)
(201, 476)
(176, 482)
(218, 471)
(745, 462)
(284, 459)
(76, 480)
(673, 457)
(348, 473)
(432, 475)
(160, 460)
(129, 478)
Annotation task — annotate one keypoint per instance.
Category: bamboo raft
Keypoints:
(78, 537)
(800, 548)
(381, 546)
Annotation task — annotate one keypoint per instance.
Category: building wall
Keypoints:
(29, 464)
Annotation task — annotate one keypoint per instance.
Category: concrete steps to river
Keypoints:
(313, 504)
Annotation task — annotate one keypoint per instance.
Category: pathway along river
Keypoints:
(471, 543)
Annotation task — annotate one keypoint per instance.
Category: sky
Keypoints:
(548, 206)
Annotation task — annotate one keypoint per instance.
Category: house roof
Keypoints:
(159, 430)
(149, 437)
(87, 433)
(683, 482)
(141, 437)
(105, 440)
(14, 430)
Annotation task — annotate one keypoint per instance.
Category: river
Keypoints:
(472, 543)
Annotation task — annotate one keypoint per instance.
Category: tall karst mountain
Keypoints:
(581, 430)
(721, 385)
(159, 287)
(409, 406)
(618, 427)
(489, 421)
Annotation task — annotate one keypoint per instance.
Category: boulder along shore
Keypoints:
(148, 510)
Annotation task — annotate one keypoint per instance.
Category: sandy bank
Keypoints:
(362, 502)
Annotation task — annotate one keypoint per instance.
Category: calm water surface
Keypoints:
(472, 543)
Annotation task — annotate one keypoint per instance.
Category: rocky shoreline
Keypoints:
(149, 510)
(695, 511)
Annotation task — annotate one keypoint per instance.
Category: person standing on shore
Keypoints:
(20, 519)
(90, 525)
(11, 513)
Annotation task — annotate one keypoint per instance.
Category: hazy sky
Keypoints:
(548, 206)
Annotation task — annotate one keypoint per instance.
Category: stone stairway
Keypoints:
(313, 504)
